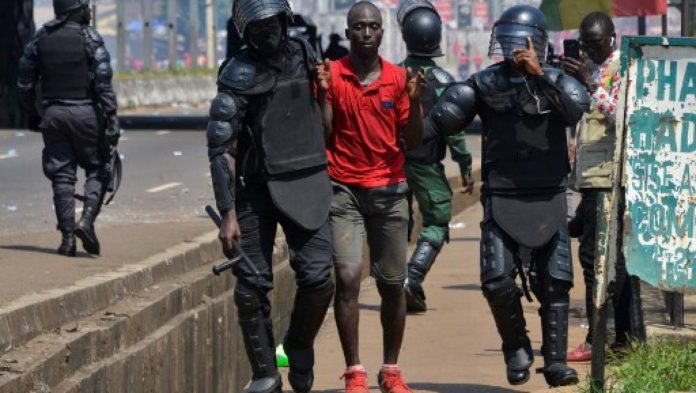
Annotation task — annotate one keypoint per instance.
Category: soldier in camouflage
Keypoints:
(421, 30)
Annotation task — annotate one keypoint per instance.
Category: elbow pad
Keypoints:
(575, 90)
(103, 71)
(223, 107)
(454, 110)
(220, 134)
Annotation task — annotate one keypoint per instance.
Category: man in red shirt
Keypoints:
(367, 115)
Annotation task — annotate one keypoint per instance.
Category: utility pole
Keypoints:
(210, 37)
(171, 15)
(121, 35)
(193, 32)
(147, 33)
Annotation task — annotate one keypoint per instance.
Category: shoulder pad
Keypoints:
(52, 24)
(242, 76)
(223, 107)
(455, 109)
(93, 35)
(575, 90)
(439, 76)
(553, 72)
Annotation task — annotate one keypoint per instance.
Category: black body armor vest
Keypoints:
(64, 65)
(525, 152)
(283, 145)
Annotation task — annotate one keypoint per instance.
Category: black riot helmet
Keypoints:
(61, 7)
(421, 28)
(512, 29)
(246, 11)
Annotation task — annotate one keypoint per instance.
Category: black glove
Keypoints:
(113, 131)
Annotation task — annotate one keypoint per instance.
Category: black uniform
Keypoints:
(266, 118)
(68, 61)
(524, 170)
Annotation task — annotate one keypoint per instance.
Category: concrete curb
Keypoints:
(31, 315)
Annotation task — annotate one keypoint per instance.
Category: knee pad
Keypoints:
(249, 300)
(500, 291)
(554, 291)
(492, 253)
(560, 263)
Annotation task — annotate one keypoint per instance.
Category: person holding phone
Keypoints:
(524, 107)
(596, 133)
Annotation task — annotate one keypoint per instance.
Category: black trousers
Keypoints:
(310, 251)
(586, 213)
(72, 137)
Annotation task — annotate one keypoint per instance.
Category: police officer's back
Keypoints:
(67, 60)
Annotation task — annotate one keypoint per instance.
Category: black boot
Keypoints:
(554, 326)
(68, 245)
(307, 317)
(260, 350)
(504, 298)
(418, 267)
(84, 229)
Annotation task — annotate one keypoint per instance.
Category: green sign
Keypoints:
(657, 115)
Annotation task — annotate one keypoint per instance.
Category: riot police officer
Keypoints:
(268, 166)
(524, 108)
(421, 29)
(68, 61)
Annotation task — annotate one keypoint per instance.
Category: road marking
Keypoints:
(164, 187)
(123, 138)
(162, 132)
(79, 210)
(206, 174)
(10, 153)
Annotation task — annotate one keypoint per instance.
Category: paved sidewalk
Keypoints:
(454, 348)
(30, 265)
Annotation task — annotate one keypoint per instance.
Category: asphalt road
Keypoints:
(166, 178)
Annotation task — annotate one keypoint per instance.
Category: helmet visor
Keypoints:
(506, 37)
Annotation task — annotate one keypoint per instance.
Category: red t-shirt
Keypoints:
(365, 147)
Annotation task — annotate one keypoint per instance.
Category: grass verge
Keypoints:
(657, 367)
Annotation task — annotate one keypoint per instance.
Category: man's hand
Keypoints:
(415, 84)
(527, 58)
(229, 233)
(578, 69)
(467, 184)
(323, 74)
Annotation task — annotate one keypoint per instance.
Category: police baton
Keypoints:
(241, 255)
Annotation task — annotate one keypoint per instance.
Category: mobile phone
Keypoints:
(571, 48)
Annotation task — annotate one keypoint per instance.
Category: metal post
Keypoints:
(642, 25)
(171, 16)
(686, 13)
(193, 32)
(94, 14)
(147, 33)
(121, 35)
(665, 31)
(210, 37)
(675, 308)
(604, 274)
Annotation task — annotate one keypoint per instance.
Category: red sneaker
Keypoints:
(356, 381)
(391, 381)
(581, 353)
